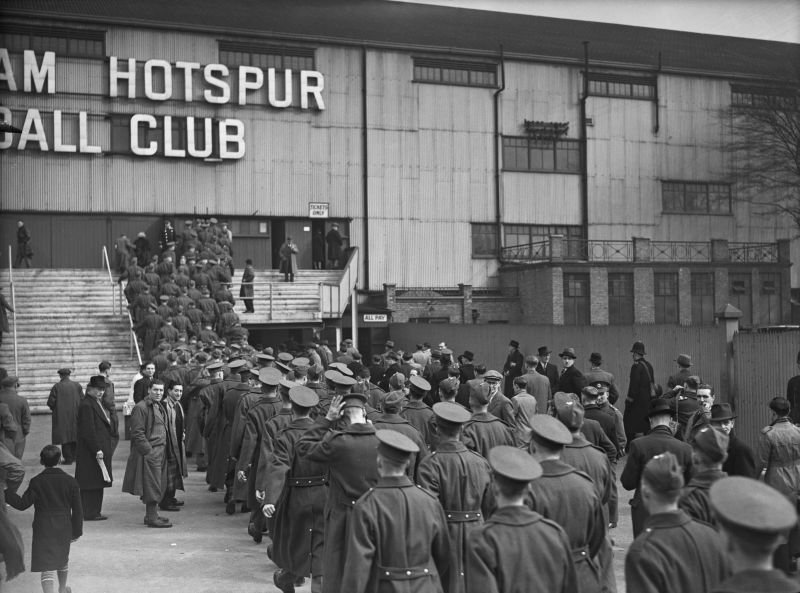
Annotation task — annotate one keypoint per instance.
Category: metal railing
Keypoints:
(116, 289)
(753, 252)
(538, 251)
(13, 310)
(680, 251)
(134, 340)
(335, 297)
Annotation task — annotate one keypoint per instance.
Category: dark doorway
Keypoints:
(278, 237)
(300, 232)
(318, 226)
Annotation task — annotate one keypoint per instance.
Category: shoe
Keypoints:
(201, 468)
(213, 489)
(254, 533)
(230, 507)
(96, 518)
(169, 508)
(279, 577)
(177, 503)
(160, 523)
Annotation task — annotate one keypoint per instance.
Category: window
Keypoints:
(764, 97)
(741, 296)
(484, 240)
(429, 320)
(703, 298)
(455, 72)
(576, 299)
(770, 301)
(280, 57)
(65, 42)
(522, 234)
(250, 228)
(666, 297)
(684, 197)
(602, 84)
(620, 299)
(532, 154)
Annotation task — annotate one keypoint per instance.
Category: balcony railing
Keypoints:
(753, 252)
(680, 251)
(539, 251)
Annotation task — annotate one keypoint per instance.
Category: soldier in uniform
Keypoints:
(643, 449)
(398, 530)
(211, 397)
(709, 450)
(64, 399)
(390, 419)
(674, 552)
(500, 552)
(754, 519)
(568, 497)
(350, 457)
(417, 411)
(483, 431)
(461, 480)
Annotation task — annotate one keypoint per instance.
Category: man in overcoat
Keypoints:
(65, 397)
(95, 445)
(546, 368)
(175, 449)
(637, 402)
(18, 406)
(571, 380)
(741, 460)
(246, 290)
(512, 368)
(335, 241)
(145, 472)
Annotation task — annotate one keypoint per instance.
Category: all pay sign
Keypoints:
(318, 209)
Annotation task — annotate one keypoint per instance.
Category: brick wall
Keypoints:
(685, 296)
(643, 296)
(598, 295)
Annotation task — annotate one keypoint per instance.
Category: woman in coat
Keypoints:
(288, 255)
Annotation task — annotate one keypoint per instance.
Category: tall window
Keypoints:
(770, 302)
(576, 299)
(603, 84)
(65, 42)
(666, 297)
(741, 296)
(620, 299)
(682, 197)
(703, 298)
(484, 240)
(531, 154)
(464, 73)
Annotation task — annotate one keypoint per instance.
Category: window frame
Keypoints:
(64, 41)
(763, 97)
(666, 305)
(621, 306)
(703, 300)
(248, 49)
(577, 307)
(432, 71)
(548, 151)
(478, 230)
(625, 86)
(676, 196)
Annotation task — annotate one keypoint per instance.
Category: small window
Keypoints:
(65, 42)
(461, 73)
(770, 301)
(683, 197)
(620, 299)
(703, 298)
(484, 240)
(606, 84)
(265, 56)
(764, 97)
(532, 154)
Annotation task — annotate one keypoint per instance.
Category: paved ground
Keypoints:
(206, 551)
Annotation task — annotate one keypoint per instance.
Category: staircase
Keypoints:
(64, 318)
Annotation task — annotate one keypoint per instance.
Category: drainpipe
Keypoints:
(657, 127)
(497, 144)
(365, 164)
(584, 145)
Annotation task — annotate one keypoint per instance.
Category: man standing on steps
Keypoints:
(65, 397)
(24, 250)
(4, 306)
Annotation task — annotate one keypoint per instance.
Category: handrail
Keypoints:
(334, 297)
(13, 310)
(110, 279)
(134, 340)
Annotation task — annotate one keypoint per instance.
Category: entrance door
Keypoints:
(278, 237)
(300, 232)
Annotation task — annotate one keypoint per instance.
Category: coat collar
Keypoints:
(555, 467)
(416, 404)
(394, 482)
(579, 442)
(747, 581)
(360, 428)
(515, 516)
(706, 478)
(484, 417)
(668, 519)
(450, 446)
(390, 419)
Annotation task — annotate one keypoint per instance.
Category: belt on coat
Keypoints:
(307, 482)
(463, 516)
(393, 573)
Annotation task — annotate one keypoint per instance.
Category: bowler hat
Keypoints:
(568, 353)
(98, 382)
(721, 412)
(544, 351)
(468, 355)
(596, 358)
(514, 343)
(638, 348)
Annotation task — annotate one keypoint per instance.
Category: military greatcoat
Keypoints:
(65, 397)
(483, 432)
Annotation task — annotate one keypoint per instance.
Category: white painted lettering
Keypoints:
(307, 88)
(166, 70)
(58, 143)
(152, 147)
(115, 76)
(249, 85)
(39, 75)
(188, 82)
(83, 135)
(168, 150)
(33, 119)
(191, 142)
(209, 73)
(6, 71)
(5, 139)
(287, 89)
(236, 138)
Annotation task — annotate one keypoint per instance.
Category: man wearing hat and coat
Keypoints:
(390, 419)
(637, 402)
(571, 380)
(64, 399)
(95, 445)
(546, 368)
(684, 362)
(494, 566)
(512, 367)
(398, 530)
(741, 460)
(466, 367)
(675, 552)
(483, 431)
(793, 395)
(643, 449)
(709, 450)
(18, 406)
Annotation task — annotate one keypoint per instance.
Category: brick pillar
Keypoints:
(755, 295)
(722, 288)
(641, 249)
(556, 247)
(643, 296)
(466, 310)
(784, 255)
(684, 296)
(598, 296)
(720, 251)
(390, 294)
(558, 296)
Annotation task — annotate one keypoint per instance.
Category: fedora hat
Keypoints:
(684, 360)
(720, 412)
(569, 353)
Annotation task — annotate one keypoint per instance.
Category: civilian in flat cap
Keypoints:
(568, 497)
(398, 530)
(499, 405)
(390, 419)
(461, 480)
(417, 411)
(483, 431)
(64, 399)
(294, 498)
(755, 520)
(674, 553)
(95, 445)
(495, 566)
(537, 384)
(643, 449)
(779, 459)
(741, 460)
(709, 450)
(793, 395)
(637, 402)
(570, 380)
(349, 455)
(18, 406)
(513, 367)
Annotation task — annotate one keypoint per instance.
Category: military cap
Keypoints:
(480, 393)
(268, 350)
(265, 357)
(752, 505)
(301, 362)
(214, 366)
(514, 344)
(492, 375)
(549, 430)
(285, 357)
(395, 445)
(339, 379)
(343, 369)
(163, 298)
(65, 371)
(393, 401)
(660, 406)
(303, 396)
(450, 412)
(721, 412)
(568, 353)
(600, 386)
(300, 371)
(664, 473)
(569, 410)
(713, 443)
(9, 381)
(287, 383)
(354, 400)
(332, 375)
(97, 381)
(270, 376)
(436, 354)
(398, 381)
(237, 364)
(514, 464)
(212, 220)
(684, 360)
(390, 343)
(446, 352)
(348, 341)
(282, 367)
(419, 383)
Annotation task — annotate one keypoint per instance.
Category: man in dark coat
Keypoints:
(643, 449)
(64, 399)
(211, 397)
(4, 306)
(350, 457)
(398, 531)
(570, 380)
(390, 419)
(483, 431)
(461, 480)
(546, 368)
(512, 367)
(335, 242)
(318, 250)
(674, 553)
(24, 249)
(637, 402)
(499, 405)
(793, 395)
(494, 566)
(741, 460)
(95, 445)
(246, 291)
(708, 452)
(175, 451)
(18, 406)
